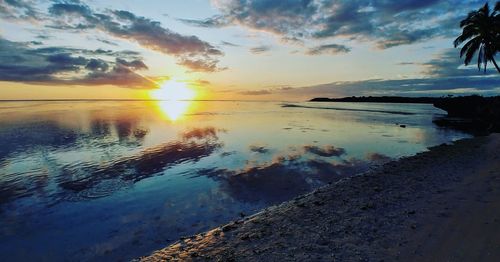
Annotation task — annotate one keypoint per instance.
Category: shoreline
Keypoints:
(438, 205)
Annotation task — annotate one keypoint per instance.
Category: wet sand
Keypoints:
(439, 205)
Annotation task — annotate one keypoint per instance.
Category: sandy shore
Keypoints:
(440, 205)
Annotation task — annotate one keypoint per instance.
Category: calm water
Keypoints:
(117, 180)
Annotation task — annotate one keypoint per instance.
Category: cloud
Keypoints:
(200, 65)
(271, 90)
(405, 87)
(332, 49)
(215, 21)
(189, 50)
(448, 63)
(386, 23)
(70, 66)
(442, 75)
(436, 86)
(19, 10)
(260, 49)
(106, 41)
(256, 92)
(229, 44)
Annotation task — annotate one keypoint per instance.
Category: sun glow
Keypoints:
(174, 99)
(174, 91)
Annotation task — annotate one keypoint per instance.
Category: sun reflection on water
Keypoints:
(175, 99)
(174, 109)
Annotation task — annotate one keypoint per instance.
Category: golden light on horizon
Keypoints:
(174, 99)
(174, 91)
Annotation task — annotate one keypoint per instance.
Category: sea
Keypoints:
(115, 180)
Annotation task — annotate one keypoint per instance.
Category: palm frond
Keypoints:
(466, 34)
(468, 45)
(471, 51)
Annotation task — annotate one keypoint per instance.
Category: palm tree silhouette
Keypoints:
(481, 30)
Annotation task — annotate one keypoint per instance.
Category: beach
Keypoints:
(438, 205)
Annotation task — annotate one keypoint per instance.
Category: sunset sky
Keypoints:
(235, 49)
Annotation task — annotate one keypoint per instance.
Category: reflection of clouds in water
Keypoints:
(326, 151)
(378, 158)
(259, 148)
(94, 180)
(202, 133)
(128, 129)
(194, 145)
(25, 136)
(21, 137)
(288, 175)
(226, 154)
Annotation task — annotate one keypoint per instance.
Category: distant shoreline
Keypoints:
(426, 207)
(481, 114)
(380, 99)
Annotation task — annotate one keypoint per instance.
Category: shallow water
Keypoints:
(87, 180)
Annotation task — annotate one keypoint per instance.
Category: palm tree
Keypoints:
(481, 30)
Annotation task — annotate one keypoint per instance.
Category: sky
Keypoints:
(235, 49)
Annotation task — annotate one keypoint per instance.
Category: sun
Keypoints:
(174, 91)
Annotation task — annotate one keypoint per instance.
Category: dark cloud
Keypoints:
(106, 41)
(229, 44)
(190, 51)
(43, 37)
(69, 66)
(215, 21)
(200, 65)
(332, 49)
(406, 37)
(260, 49)
(134, 64)
(97, 65)
(448, 64)
(388, 23)
(19, 9)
